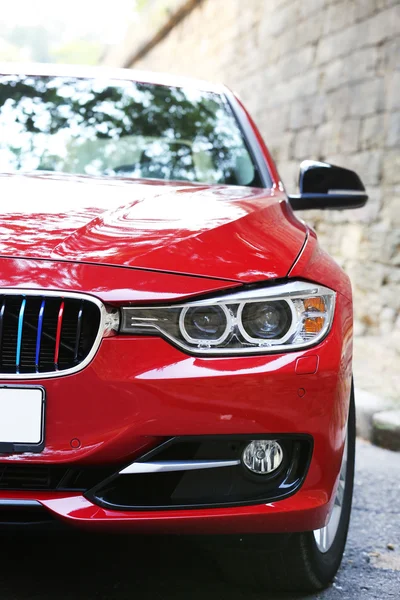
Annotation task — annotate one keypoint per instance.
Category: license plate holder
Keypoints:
(22, 417)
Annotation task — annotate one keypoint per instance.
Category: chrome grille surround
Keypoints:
(61, 295)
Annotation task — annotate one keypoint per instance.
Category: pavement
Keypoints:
(85, 567)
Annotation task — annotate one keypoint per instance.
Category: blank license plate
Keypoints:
(21, 415)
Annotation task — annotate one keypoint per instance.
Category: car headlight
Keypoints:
(281, 317)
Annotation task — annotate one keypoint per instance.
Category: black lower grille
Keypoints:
(229, 486)
(51, 477)
(45, 333)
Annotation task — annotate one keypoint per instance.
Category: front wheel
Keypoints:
(301, 561)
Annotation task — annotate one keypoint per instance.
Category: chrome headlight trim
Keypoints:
(154, 320)
(193, 340)
(272, 341)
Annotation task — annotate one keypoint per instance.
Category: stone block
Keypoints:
(289, 172)
(365, 8)
(369, 278)
(393, 130)
(305, 144)
(333, 74)
(334, 45)
(391, 166)
(318, 109)
(366, 215)
(296, 62)
(390, 206)
(367, 97)
(375, 361)
(337, 104)
(393, 94)
(281, 19)
(338, 16)
(327, 135)
(391, 53)
(395, 259)
(302, 85)
(309, 30)
(311, 6)
(386, 429)
(387, 320)
(390, 296)
(349, 136)
(351, 240)
(367, 405)
(395, 337)
(368, 165)
(378, 243)
(300, 114)
(281, 147)
(372, 131)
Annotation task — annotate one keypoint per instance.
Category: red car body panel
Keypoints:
(315, 264)
(146, 242)
(122, 285)
(229, 232)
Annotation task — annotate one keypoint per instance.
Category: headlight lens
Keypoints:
(270, 319)
(204, 323)
(265, 320)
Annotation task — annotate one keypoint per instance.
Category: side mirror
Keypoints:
(326, 186)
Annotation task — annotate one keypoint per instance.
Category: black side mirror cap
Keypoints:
(324, 186)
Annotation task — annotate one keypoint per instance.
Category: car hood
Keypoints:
(228, 232)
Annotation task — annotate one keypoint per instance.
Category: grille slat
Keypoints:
(45, 333)
(19, 334)
(78, 332)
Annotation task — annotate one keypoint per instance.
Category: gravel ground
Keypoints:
(84, 567)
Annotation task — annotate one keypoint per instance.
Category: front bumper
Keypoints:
(304, 511)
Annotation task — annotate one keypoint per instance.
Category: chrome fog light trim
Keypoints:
(166, 466)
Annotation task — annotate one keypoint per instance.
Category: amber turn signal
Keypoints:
(314, 325)
(315, 304)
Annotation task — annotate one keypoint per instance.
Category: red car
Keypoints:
(175, 347)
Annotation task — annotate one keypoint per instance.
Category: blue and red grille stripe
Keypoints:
(39, 334)
(43, 333)
(19, 334)
(58, 334)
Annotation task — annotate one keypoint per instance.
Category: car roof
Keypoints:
(83, 72)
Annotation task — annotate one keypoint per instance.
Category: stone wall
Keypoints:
(322, 80)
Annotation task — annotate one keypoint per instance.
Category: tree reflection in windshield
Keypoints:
(120, 128)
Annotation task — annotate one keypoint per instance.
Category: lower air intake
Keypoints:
(42, 333)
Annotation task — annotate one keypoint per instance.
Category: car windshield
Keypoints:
(120, 129)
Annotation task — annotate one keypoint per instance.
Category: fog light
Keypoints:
(262, 456)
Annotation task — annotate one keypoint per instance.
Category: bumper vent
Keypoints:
(47, 333)
(24, 477)
(51, 477)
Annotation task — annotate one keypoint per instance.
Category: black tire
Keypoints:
(290, 562)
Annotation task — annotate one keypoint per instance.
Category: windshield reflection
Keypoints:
(120, 128)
